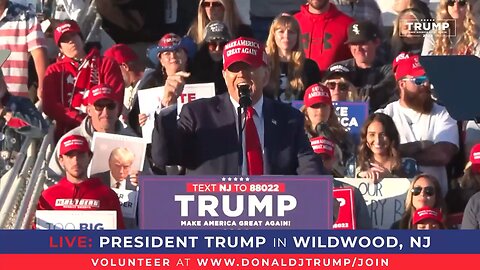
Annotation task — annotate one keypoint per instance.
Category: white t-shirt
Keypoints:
(413, 126)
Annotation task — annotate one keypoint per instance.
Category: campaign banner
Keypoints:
(150, 102)
(128, 202)
(236, 202)
(351, 115)
(240, 249)
(346, 216)
(385, 200)
(75, 220)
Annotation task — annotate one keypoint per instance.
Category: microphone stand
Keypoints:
(245, 100)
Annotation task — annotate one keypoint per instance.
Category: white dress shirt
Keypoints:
(259, 124)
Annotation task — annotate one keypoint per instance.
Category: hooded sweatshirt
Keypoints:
(324, 35)
(66, 87)
(91, 194)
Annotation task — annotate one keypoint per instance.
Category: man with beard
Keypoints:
(324, 32)
(427, 132)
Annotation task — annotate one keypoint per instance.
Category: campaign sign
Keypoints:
(346, 216)
(75, 220)
(128, 202)
(150, 102)
(221, 202)
(352, 115)
(385, 200)
(192, 92)
(119, 148)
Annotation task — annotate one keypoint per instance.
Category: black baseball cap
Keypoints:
(361, 32)
(339, 70)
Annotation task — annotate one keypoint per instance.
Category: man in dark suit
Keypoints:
(204, 139)
(120, 174)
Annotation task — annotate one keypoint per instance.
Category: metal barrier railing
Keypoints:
(9, 192)
(35, 185)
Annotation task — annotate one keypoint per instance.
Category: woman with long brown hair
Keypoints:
(463, 36)
(378, 155)
(321, 120)
(218, 10)
(291, 73)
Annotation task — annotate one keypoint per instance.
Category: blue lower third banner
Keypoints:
(239, 249)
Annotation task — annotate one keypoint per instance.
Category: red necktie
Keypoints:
(252, 142)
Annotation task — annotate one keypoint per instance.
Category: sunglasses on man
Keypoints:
(420, 80)
(342, 86)
(99, 106)
(461, 3)
(213, 45)
(211, 4)
(429, 191)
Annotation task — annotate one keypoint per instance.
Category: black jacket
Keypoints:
(375, 85)
(204, 140)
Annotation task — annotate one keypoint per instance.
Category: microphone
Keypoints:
(322, 130)
(244, 95)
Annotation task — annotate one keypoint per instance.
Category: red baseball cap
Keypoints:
(407, 64)
(74, 142)
(246, 50)
(317, 93)
(475, 158)
(100, 91)
(65, 27)
(121, 53)
(322, 145)
(427, 213)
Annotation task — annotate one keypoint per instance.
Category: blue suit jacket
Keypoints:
(204, 139)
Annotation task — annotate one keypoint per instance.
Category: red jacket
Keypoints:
(90, 194)
(324, 35)
(66, 87)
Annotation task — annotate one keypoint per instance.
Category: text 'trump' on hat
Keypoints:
(74, 142)
(246, 50)
(216, 31)
(65, 27)
(100, 91)
(121, 53)
(315, 94)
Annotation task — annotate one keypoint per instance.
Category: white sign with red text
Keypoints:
(150, 102)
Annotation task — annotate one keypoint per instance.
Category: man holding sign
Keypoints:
(206, 140)
(75, 191)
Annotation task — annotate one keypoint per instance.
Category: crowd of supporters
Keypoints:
(316, 52)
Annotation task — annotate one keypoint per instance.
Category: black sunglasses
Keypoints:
(100, 106)
(212, 45)
(461, 3)
(342, 86)
(429, 191)
(211, 4)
